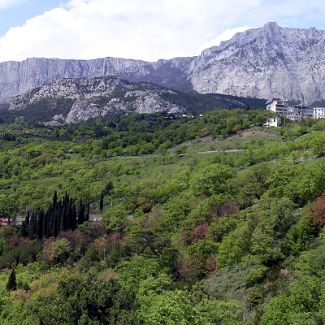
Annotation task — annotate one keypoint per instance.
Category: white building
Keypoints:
(278, 106)
(304, 111)
(319, 113)
(273, 122)
(292, 112)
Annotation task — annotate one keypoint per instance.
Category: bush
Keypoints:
(211, 180)
(56, 251)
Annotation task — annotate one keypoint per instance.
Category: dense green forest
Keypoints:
(154, 219)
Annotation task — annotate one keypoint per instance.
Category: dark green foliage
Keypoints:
(24, 253)
(44, 110)
(198, 103)
(101, 201)
(11, 284)
(86, 300)
(60, 216)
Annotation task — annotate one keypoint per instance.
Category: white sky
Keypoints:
(7, 3)
(140, 29)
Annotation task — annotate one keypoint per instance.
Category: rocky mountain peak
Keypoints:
(266, 62)
(271, 26)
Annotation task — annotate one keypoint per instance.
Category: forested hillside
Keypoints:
(153, 219)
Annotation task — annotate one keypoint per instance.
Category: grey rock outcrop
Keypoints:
(92, 98)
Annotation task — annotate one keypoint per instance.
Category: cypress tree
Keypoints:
(65, 213)
(61, 215)
(81, 213)
(101, 201)
(17, 259)
(45, 225)
(108, 188)
(55, 199)
(27, 222)
(24, 230)
(12, 284)
(61, 221)
(40, 221)
(50, 227)
(57, 220)
(68, 220)
(73, 216)
(32, 232)
(87, 212)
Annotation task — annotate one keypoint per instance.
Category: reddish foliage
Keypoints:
(199, 232)
(228, 208)
(101, 244)
(211, 264)
(93, 231)
(115, 237)
(318, 211)
(269, 286)
(23, 295)
(110, 275)
(75, 238)
(284, 273)
(16, 241)
(189, 268)
(183, 239)
(153, 218)
(7, 232)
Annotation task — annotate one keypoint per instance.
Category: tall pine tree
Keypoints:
(101, 201)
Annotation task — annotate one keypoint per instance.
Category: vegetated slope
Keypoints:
(224, 228)
(75, 100)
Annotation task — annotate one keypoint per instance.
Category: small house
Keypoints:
(273, 122)
(4, 221)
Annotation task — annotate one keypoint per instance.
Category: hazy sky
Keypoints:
(138, 29)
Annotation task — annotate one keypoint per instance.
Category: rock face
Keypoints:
(19, 77)
(264, 62)
(86, 99)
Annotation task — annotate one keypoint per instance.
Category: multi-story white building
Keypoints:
(294, 112)
(319, 113)
(278, 106)
(304, 111)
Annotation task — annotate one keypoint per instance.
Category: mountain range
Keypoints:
(262, 62)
